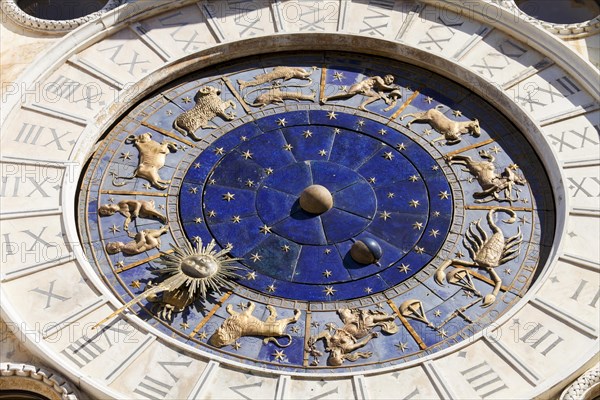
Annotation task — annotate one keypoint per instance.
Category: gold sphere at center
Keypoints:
(316, 199)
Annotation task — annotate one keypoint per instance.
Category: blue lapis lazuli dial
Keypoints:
(338, 209)
(250, 198)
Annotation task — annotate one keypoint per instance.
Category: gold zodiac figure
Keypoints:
(246, 324)
(450, 130)
(486, 252)
(131, 209)
(152, 158)
(373, 88)
(208, 106)
(355, 334)
(145, 240)
(285, 73)
(490, 181)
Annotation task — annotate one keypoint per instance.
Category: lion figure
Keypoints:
(245, 324)
(208, 106)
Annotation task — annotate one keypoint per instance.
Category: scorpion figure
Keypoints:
(487, 253)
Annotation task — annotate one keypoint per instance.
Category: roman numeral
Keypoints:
(73, 91)
(308, 10)
(246, 17)
(594, 300)
(561, 88)
(237, 389)
(566, 86)
(83, 351)
(500, 60)
(530, 99)
(484, 380)
(156, 389)
(50, 294)
(377, 19)
(56, 139)
(439, 34)
(86, 349)
(38, 238)
(511, 49)
(190, 42)
(551, 91)
(8, 247)
(39, 249)
(535, 342)
(16, 186)
(573, 136)
(249, 27)
(587, 191)
(30, 134)
(501, 63)
(131, 60)
(63, 87)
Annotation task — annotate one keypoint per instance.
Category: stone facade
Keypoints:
(51, 295)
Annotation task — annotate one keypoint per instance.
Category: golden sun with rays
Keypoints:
(198, 269)
(191, 272)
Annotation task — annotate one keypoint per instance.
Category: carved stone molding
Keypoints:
(564, 31)
(30, 378)
(17, 15)
(587, 386)
(527, 371)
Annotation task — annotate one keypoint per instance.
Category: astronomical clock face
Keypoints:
(316, 212)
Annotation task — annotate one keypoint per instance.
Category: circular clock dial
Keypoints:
(373, 185)
(320, 211)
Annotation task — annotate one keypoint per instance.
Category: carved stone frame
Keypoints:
(295, 42)
(17, 15)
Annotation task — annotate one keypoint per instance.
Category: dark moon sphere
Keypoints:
(366, 251)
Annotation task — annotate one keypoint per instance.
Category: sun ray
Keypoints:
(190, 272)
